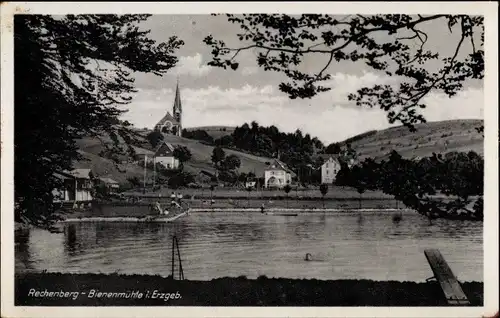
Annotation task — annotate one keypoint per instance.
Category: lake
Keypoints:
(347, 245)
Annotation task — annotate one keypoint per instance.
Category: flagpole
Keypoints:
(154, 172)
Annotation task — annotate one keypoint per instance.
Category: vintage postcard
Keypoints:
(281, 159)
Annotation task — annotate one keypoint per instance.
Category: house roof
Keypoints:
(81, 173)
(279, 165)
(164, 150)
(142, 151)
(108, 180)
(63, 176)
(327, 156)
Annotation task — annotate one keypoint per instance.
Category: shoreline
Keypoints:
(232, 291)
(270, 211)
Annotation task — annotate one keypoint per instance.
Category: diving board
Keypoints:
(443, 274)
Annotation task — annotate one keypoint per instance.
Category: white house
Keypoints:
(164, 155)
(277, 175)
(329, 169)
(77, 186)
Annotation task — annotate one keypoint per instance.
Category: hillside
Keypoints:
(438, 137)
(90, 148)
(214, 131)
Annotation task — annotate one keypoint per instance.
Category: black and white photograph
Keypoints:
(284, 157)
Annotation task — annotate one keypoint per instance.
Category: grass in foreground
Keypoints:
(228, 291)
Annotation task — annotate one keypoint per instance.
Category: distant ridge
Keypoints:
(439, 137)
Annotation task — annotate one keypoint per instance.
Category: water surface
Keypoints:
(370, 245)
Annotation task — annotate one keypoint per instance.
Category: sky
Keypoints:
(213, 96)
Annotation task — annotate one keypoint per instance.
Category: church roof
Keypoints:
(167, 117)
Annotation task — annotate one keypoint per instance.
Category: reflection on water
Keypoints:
(343, 246)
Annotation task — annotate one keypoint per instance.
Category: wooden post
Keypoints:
(173, 256)
(181, 272)
(145, 161)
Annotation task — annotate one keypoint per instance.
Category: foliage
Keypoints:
(342, 177)
(100, 191)
(419, 184)
(385, 43)
(134, 181)
(218, 156)
(287, 188)
(198, 134)
(294, 149)
(231, 162)
(180, 179)
(155, 138)
(79, 71)
(182, 154)
(323, 188)
(333, 148)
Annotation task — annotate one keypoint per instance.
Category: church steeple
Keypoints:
(172, 124)
(178, 108)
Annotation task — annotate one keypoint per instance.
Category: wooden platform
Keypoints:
(448, 281)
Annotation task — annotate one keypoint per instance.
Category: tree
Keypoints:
(231, 162)
(359, 182)
(343, 177)
(182, 154)
(180, 179)
(79, 71)
(155, 138)
(287, 190)
(323, 188)
(134, 181)
(218, 156)
(333, 149)
(385, 43)
(212, 188)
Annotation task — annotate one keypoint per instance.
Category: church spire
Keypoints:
(177, 101)
(178, 108)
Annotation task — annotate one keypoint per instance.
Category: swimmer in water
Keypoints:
(308, 257)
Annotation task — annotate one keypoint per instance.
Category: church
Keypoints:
(172, 124)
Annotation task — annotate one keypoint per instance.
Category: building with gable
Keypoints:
(164, 155)
(172, 123)
(333, 163)
(330, 168)
(277, 175)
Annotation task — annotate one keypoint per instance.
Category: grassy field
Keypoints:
(229, 291)
(438, 137)
(201, 159)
